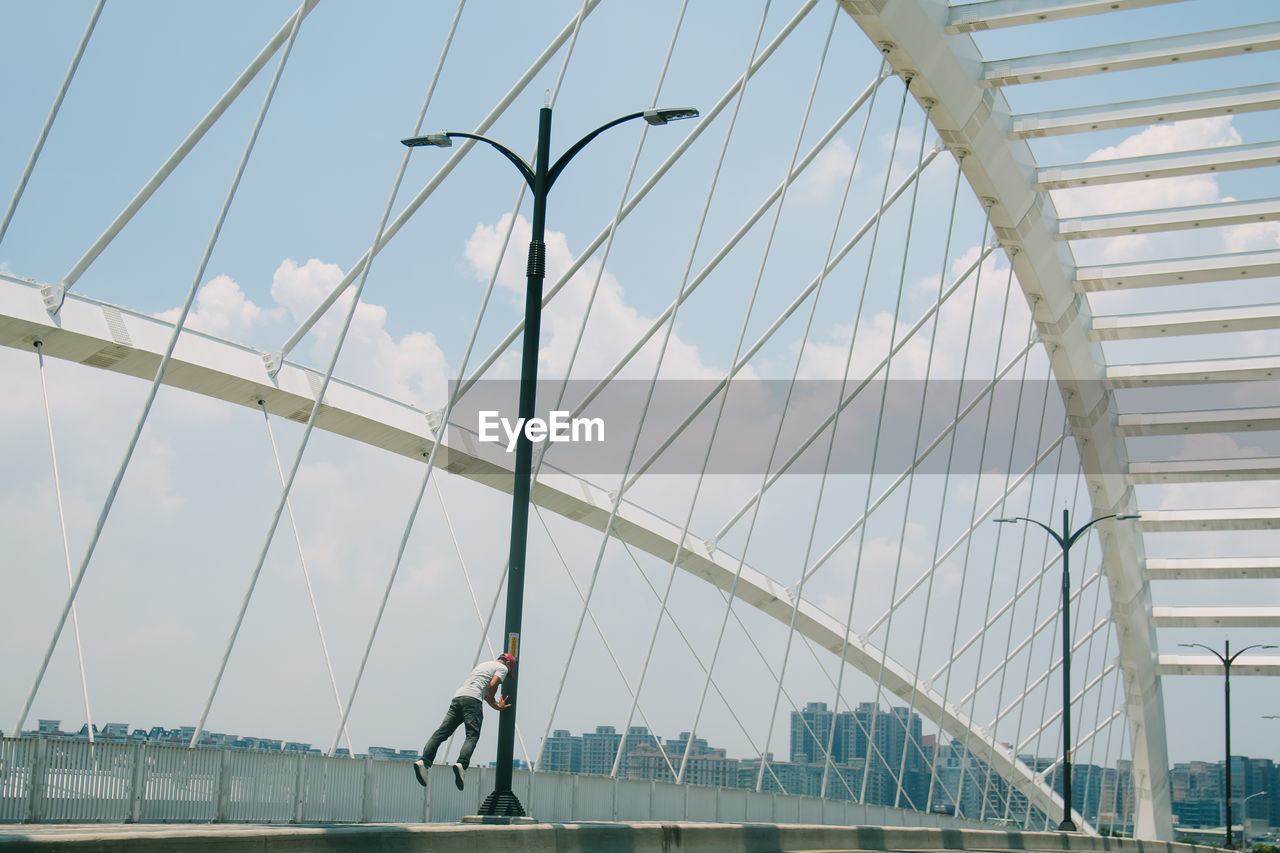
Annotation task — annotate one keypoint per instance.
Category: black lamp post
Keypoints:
(1227, 659)
(540, 177)
(1065, 540)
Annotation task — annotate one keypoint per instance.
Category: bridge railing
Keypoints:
(44, 780)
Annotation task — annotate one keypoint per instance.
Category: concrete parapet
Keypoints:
(554, 838)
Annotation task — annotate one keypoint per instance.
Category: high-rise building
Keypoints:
(886, 747)
(1116, 799)
(1197, 794)
(780, 777)
(649, 761)
(561, 752)
(1257, 780)
(810, 733)
(599, 749)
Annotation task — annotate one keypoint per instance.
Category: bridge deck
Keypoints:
(557, 837)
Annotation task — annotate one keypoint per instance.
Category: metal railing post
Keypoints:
(426, 800)
(138, 783)
(299, 792)
(36, 780)
(222, 811)
(366, 801)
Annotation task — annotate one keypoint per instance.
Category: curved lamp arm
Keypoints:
(1115, 515)
(1227, 661)
(1070, 540)
(654, 117)
(442, 140)
(1254, 646)
(554, 171)
(1046, 528)
(1213, 651)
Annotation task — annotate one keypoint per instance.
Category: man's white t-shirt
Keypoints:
(477, 683)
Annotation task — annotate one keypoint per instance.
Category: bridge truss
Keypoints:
(915, 268)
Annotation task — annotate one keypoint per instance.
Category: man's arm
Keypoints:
(490, 696)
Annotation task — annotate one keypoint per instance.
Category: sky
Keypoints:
(161, 592)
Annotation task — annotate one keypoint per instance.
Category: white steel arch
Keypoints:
(935, 48)
(929, 39)
(120, 340)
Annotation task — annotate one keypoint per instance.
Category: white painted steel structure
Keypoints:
(925, 72)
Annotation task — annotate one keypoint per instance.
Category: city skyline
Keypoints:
(161, 593)
(210, 736)
(953, 781)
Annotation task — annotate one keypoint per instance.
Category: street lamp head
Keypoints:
(1005, 520)
(1133, 516)
(658, 117)
(440, 140)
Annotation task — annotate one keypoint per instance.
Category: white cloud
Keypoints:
(413, 368)
(222, 309)
(1139, 195)
(829, 170)
(1251, 237)
(1233, 494)
(1216, 446)
(825, 357)
(1160, 193)
(1188, 135)
(613, 326)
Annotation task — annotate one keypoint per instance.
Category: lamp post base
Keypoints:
(503, 803)
(497, 820)
(1067, 825)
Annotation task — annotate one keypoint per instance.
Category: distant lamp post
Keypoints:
(540, 177)
(1227, 659)
(1065, 540)
(1244, 819)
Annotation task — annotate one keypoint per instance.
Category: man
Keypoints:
(465, 710)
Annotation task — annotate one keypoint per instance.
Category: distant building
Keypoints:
(886, 748)
(704, 764)
(1197, 793)
(115, 731)
(599, 749)
(562, 752)
(811, 733)
(389, 753)
(787, 777)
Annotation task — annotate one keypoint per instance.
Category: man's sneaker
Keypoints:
(420, 772)
(457, 776)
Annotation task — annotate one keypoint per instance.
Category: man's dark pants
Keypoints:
(463, 711)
